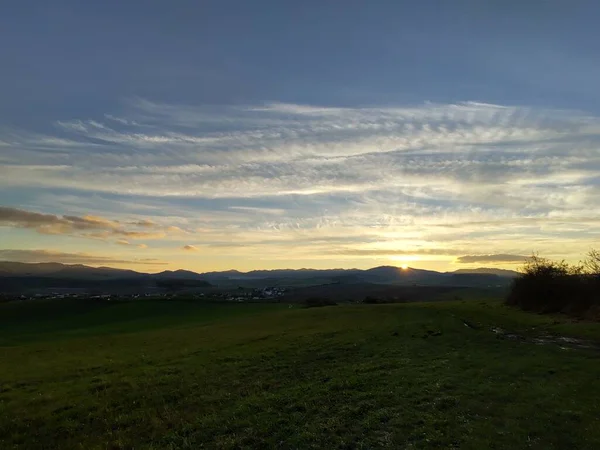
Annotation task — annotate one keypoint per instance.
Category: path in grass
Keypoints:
(360, 376)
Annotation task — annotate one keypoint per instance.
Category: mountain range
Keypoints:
(65, 275)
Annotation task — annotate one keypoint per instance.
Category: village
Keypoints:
(225, 295)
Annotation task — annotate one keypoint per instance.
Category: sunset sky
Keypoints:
(244, 135)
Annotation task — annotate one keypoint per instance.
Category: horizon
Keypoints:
(208, 136)
(401, 268)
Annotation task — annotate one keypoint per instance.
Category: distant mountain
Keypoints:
(23, 277)
(383, 274)
(297, 273)
(178, 275)
(489, 271)
(216, 277)
(56, 274)
(8, 268)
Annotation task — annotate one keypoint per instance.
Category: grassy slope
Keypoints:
(59, 319)
(401, 376)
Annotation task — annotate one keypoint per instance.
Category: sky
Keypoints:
(214, 135)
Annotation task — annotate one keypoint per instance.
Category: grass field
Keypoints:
(166, 375)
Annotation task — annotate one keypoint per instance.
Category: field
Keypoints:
(177, 374)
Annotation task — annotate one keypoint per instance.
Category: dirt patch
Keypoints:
(470, 325)
(564, 342)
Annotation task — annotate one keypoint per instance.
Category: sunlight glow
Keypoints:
(406, 258)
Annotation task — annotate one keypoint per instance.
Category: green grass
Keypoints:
(59, 319)
(264, 376)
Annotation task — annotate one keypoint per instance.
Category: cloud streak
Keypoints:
(501, 258)
(52, 224)
(87, 226)
(38, 256)
(301, 181)
(294, 149)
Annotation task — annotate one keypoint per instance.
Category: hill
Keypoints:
(58, 270)
(178, 275)
(181, 374)
(15, 277)
(76, 278)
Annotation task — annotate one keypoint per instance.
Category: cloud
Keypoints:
(122, 242)
(396, 252)
(175, 230)
(86, 226)
(189, 248)
(140, 234)
(120, 120)
(144, 223)
(69, 258)
(258, 210)
(500, 258)
(263, 178)
(52, 224)
(282, 149)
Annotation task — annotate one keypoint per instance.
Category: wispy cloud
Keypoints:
(396, 252)
(52, 224)
(470, 259)
(86, 226)
(294, 149)
(120, 120)
(189, 248)
(353, 183)
(69, 258)
(144, 223)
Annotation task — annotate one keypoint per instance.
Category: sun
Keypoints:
(404, 266)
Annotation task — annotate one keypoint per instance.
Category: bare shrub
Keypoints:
(548, 286)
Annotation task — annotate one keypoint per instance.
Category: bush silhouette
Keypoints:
(548, 287)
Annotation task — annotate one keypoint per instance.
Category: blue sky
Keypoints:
(215, 135)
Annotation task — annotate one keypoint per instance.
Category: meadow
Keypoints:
(165, 374)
